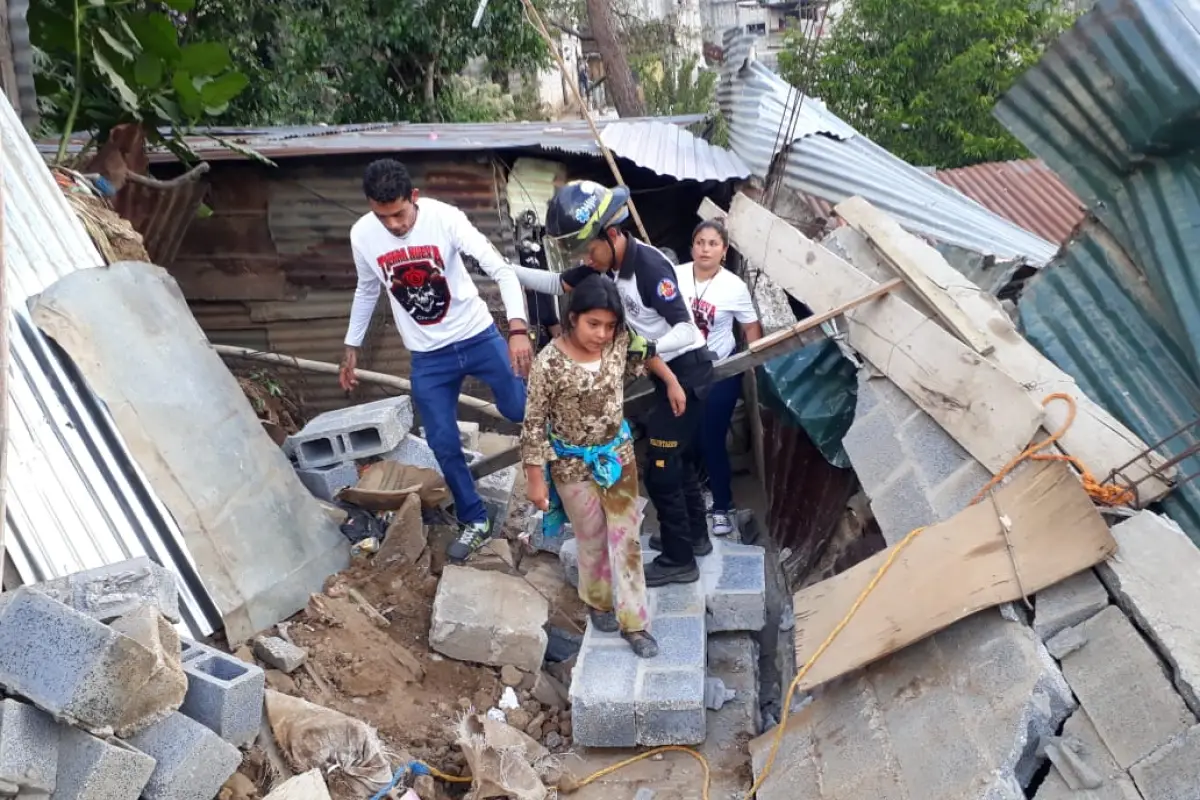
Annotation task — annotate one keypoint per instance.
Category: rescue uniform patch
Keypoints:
(667, 289)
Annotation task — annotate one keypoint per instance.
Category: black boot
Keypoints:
(603, 621)
(661, 573)
(704, 548)
(642, 643)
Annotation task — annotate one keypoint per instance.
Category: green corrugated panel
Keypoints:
(815, 388)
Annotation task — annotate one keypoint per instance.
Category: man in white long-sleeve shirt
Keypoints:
(414, 248)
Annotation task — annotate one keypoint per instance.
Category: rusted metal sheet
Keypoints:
(1025, 192)
(161, 216)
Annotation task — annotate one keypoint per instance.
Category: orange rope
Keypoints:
(1104, 494)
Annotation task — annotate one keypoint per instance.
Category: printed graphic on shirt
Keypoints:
(416, 278)
(667, 289)
(705, 314)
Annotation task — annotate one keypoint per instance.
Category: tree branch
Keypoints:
(565, 28)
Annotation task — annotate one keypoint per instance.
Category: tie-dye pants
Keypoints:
(605, 522)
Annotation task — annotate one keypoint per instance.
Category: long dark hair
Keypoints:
(595, 293)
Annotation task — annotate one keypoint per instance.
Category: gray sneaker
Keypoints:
(470, 538)
(724, 523)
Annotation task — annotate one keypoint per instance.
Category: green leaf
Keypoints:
(220, 91)
(204, 211)
(189, 98)
(116, 44)
(205, 59)
(148, 71)
(126, 95)
(157, 35)
(180, 5)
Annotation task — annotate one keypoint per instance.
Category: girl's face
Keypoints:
(708, 249)
(594, 330)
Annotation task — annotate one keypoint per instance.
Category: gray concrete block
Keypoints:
(191, 762)
(935, 452)
(225, 694)
(496, 491)
(1068, 603)
(1121, 684)
(734, 657)
(112, 591)
(1155, 577)
(99, 769)
(676, 599)
(902, 506)
(738, 600)
(670, 707)
(880, 393)
(325, 482)
(874, 448)
(361, 431)
(189, 649)
(415, 452)
(958, 715)
(603, 691)
(29, 741)
(279, 653)
(568, 556)
(681, 642)
(549, 544)
(68, 664)
(1079, 734)
(489, 618)
(1173, 772)
(958, 490)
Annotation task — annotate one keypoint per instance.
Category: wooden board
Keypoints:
(1096, 437)
(954, 569)
(986, 411)
(934, 280)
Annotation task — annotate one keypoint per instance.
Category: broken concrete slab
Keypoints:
(225, 694)
(308, 786)
(164, 691)
(230, 489)
(29, 740)
(405, 539)
(1120, 683)
(99, 769)
(108, 592)
(972, 742)
(348, 434)
(1170, 773)
(279, 653)
(325, 482)
(1068, 603)
(191, 762)
(68, 664)
(1079, 733)
(488, 618)
(1155, 577)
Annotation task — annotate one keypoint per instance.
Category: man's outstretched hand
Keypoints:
(520, 352)
(346, 376)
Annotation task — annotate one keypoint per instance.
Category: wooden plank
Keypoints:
(935, 281)
(954, 569)
(985, 410)
(1096, 437)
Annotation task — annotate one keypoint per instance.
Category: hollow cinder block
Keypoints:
(225, 694)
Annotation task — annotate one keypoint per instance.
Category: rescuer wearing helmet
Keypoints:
(583, 224)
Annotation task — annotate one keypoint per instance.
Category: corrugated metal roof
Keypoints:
(75, 498)
(828, 159)
(672, 151)
(1025, 192)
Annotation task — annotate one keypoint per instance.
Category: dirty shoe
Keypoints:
(660, 573)
(642, 643)
(724, 523)
(603, 621)
(471, 537)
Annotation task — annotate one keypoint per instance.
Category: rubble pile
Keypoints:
(103, 699)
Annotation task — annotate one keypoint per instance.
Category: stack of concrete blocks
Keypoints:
(496, 489)
(1134, 665)
(619, 700)
(326, 450)
(93, 673)
(914, 473)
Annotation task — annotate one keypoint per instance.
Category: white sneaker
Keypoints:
(724, 523)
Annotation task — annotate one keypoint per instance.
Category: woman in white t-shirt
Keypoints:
(718, 298)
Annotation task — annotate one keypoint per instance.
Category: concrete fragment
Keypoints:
(1155, 578)
(108, 592)
(99, 769)
(224, 694)
(1066, 643)
(1068, 603)
(325, 482)
(416, 452)
(489, 618)
(1121, 685)
(347, 434)
(164, 690)
(1067, 756)
(1171, 772)
(548, 691)
(68, 664)
(496, 491)
(735, 587)
(308, 786)
(261, 544)
(280, 654)
(715, 694)
(1079, 734)
(405, 539)
(191, 762)
(916, 724)
(29, 741)
(539, 540)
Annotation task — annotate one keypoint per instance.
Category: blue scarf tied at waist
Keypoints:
(604, 463)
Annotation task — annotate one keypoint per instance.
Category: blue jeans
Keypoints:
(437, 378)
(718, 413)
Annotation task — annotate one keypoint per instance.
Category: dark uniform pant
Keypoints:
(671, 478)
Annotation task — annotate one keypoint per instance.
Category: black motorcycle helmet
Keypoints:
(581, 211)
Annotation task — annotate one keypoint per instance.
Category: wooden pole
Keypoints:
(5, 320)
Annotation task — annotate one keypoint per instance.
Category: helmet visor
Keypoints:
(565, 252)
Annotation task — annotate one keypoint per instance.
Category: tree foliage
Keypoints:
(676, 88)
(920, 77)
(342, 61)
(109, 62)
